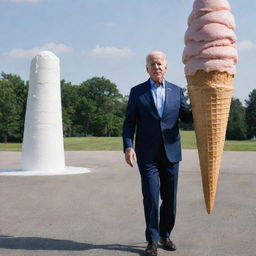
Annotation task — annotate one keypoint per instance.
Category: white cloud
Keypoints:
(30, 53)
(22, 1)
(246, 45)
(106, 51)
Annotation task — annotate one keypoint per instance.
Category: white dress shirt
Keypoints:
(158, 93)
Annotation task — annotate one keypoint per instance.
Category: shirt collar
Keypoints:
(154, 84)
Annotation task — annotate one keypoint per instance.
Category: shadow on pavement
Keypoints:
(39, 243)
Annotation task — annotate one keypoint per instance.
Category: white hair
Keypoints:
(156, 53)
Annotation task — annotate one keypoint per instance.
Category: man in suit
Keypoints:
(153, 111)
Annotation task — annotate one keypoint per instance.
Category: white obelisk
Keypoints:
(43, 147)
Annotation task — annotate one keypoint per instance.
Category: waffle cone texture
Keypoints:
(210, 95)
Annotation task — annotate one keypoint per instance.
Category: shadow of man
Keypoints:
(39, 243)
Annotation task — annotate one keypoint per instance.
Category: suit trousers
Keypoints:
(160, 176)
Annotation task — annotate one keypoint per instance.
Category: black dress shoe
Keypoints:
(151, 249)
(167, 244)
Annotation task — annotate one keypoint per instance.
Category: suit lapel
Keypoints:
(148, 97)
(168, 98)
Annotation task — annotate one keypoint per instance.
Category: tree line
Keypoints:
(95, 107)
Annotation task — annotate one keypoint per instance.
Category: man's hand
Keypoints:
(130, 156)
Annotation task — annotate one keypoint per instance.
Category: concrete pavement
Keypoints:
(101, 213)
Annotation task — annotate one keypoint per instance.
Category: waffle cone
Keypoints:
(210, 95)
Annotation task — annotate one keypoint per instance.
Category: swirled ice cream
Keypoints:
(210, 39)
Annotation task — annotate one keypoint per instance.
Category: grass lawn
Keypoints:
(93, 143)
(10, 146)
(188, 140)
(115, 143)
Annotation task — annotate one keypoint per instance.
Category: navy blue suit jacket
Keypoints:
(143, 120)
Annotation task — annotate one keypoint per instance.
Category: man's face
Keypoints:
(156, 67)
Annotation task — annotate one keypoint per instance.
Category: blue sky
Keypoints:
(111, 38)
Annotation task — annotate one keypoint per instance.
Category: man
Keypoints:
(153, 111)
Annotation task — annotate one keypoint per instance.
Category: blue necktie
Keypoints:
(160, 100)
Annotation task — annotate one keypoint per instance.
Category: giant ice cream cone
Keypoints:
(210, 95)
(209, 56)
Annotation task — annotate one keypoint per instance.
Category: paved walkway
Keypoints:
(100, 213)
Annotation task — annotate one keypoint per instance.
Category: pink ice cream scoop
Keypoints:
(204, 6)
(221, 17)
(210, 39)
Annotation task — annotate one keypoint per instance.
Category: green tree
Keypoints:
(20, 90)
(236, 129)
(251, 114)
(95, 107)
(9, 113)
(85, 117)
(69, 98)
(101, 108)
